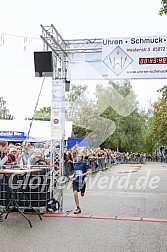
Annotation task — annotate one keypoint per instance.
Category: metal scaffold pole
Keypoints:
(60, 50)
(53, 40)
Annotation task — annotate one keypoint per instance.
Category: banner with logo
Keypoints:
(135, 57)
(58, 110)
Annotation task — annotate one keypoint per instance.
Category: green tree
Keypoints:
(74, 101)
(160, 118)
(4, 112)
(163, 9)
(76, 105)
(43, 114)
(129, 133)
(90, 114)
(84, 119)
(150, 141)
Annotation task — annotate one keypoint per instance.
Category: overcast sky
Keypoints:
(73, 19)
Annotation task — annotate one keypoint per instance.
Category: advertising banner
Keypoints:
(58, 110)
(122, 58)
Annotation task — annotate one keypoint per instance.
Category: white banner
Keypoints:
(84, 66)
(58, 110)
(122, 58)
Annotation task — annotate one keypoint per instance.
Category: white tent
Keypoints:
(39, 129)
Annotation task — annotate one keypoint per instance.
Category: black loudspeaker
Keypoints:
(43, 63)
(67, 86)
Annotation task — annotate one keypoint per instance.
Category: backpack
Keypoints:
(53, 205)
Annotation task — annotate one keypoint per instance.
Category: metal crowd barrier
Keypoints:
(38, 189)
(97, 164)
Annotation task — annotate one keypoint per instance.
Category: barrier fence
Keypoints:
(37, 188)
(97, 164)
(40, 190)
(101, 163)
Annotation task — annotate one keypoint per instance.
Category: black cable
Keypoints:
(27, 137)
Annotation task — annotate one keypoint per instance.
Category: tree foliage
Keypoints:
(90, 116)
(163, 9)
(133, 130)
(74, 101)
(43, 114)
(129, 133)
(160, 118)
(80, 110)
(149, 145)
(4, 112)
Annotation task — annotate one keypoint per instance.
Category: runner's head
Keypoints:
(79, 157)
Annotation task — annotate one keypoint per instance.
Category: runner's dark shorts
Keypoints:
(79, 187)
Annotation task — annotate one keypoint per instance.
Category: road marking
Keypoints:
(94, 216)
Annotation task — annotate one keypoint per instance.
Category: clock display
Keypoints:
(155, 60)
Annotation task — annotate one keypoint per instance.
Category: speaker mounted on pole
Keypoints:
(67, 86)
(43, 63)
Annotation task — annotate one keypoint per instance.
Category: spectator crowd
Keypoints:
(27, 152)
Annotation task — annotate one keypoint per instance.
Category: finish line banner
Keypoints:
(122, 58)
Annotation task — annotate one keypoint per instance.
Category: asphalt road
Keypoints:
(123, 190)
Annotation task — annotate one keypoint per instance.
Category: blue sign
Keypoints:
(16, 136)
(11, 134)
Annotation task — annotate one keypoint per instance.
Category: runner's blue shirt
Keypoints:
(79, 168)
